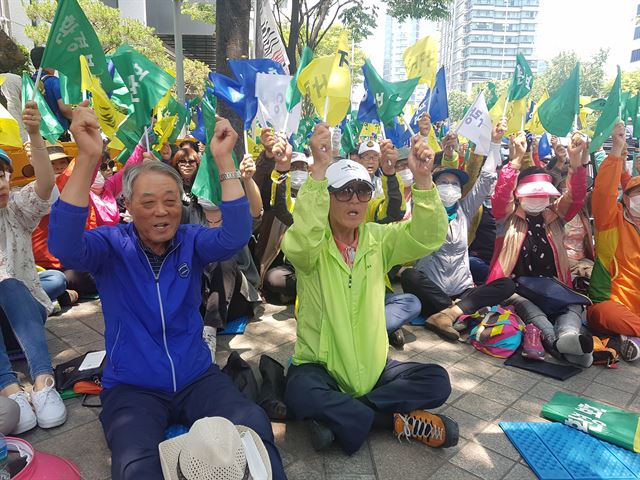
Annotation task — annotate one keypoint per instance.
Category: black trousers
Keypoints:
(81, 282)
(434, 300)
(311, 393)
(281, 280)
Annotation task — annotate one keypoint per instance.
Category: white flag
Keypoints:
(476, 125)
(272, 45)
(271, 91)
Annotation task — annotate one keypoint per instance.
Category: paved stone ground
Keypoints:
(484, 393)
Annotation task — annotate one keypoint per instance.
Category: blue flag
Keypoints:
(544, 147)
(532, 107)
(398, 134)
(439, 107)
(240, 93)
(367, 111)
(199, 132)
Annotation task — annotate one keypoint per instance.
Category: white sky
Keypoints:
(580, 25)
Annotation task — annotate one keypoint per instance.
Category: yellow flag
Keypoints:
(108, 116)
(2, 79)
(432, 141)
(163, 130)
(516, 113)
(534, 125)
(9, 129)
(421, 60)
(584, 113)
(327, 81)
(255, 149)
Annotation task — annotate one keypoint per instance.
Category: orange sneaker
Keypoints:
(437, 431)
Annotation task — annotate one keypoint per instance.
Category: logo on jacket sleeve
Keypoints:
(184, 270)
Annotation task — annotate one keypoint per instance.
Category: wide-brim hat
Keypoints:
(40, 465)
(537, 185)
(463, 177)
(344, 171)
(56, 151)
(214, 448)
(633, 183)
(4, 156)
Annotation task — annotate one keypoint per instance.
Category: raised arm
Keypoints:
(67, 238)
(571, 201)
(39, 158)
(427, 229)
(605, 193)
(248, 170)
(392, 206)
(502, 201)
(310, 218)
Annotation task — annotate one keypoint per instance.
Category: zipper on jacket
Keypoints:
(113, 349)
(162, 319)
(349, 280)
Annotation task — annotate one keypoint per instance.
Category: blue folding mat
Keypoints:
(555, 451)
(236, 326)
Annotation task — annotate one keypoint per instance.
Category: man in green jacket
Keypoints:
(341, 377)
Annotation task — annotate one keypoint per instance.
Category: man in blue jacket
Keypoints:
(158, 368)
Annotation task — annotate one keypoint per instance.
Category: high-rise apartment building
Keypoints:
(635, 49)
(480, 40)
(397, 37)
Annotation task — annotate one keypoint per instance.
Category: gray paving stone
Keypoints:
(514, 380)
(479, 406)
(520, 472)
(544, 390)
(496, 392)
(462, 380)
(481, 461)
(336, 463)
(451, 472)
(495, 439)
(476, 367)
(619, 378)
(469, 424)
(606, 394)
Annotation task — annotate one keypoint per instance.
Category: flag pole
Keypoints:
(326, 108)
(246, 140)
(406, 124)
(35, 87)
(286, 122)
(146, 138)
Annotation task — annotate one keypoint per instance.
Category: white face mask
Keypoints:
(406, 176)
(298, 177)
(534, 205)
(449, 194)
(634, 206)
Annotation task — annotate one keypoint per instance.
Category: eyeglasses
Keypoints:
(187, 162)
(364, 193)
(107, 166)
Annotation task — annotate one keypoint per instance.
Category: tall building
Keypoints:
(198, 40)
(397, 37)
(635, 49)
(480, 40)
(13, 20)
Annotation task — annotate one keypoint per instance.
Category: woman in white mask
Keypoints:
(531, 215)
(444, 277)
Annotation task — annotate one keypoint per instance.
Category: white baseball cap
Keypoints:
(369, 146)
(301, 157)
(344, 171)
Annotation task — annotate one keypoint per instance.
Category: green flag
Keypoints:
(50, 128)
(70, 90)
(293, 92)
(305, 128)
(597, 104)
(129, 133)
(611, 114)
(390, 97)
(522, 80)
(72, 35)
(350, 135)
(207, 182)
(558, 113)
(491, 95)
(633, 110)
(147, 82)
(174, 108)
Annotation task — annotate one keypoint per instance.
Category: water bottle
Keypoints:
(4, 460)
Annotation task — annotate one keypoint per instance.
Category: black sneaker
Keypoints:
(321, 436)
(396, 339)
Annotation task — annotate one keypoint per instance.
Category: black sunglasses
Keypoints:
(187, 162)
(363, 192)
(108, 165)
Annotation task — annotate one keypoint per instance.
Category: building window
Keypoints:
(636, 34)
(635, 55)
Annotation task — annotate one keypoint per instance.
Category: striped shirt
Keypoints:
(156, 261)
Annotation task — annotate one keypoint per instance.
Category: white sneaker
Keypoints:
(49, 407)
(209, 336)
(27, 417)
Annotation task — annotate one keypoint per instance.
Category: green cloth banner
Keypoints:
(557, 115)
(50, 128)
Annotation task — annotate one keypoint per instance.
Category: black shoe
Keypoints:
(321, 436)
(396, 339)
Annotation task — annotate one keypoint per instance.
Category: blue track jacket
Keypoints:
(153, 327)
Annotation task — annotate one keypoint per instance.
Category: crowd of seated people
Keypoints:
(362, 246)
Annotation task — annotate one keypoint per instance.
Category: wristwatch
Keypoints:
(230, 175)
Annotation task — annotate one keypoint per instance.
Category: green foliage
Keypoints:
(560, 67)
(113, 31)
(458, 102)
(201, 12)
(630, 83)
(427, 9)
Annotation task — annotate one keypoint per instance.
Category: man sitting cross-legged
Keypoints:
(341, 377)
(158, 369)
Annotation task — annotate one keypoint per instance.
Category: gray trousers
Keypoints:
(567, 323)
(9, 415)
